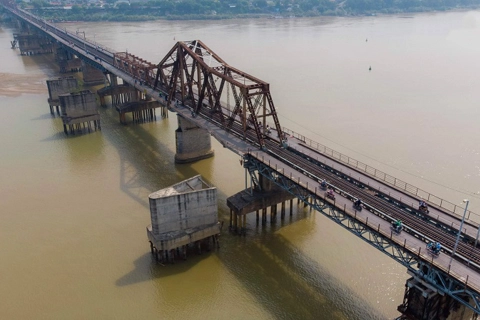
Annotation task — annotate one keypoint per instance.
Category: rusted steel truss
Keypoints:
(139, 68)
(200, 79)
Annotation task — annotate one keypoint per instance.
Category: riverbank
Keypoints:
(135, 13)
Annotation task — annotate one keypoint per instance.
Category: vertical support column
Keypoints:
(193, 143)
(91, 75)
(57, 87)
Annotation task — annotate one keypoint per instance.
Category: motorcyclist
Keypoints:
(358, 202)
(422, 205)
(323, 184)
(437, 247)
(398, 225)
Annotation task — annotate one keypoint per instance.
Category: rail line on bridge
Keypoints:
(195, 76)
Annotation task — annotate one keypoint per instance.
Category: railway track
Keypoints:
(419, 226)
(424, 228)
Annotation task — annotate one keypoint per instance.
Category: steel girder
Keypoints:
(193, 74)
(137, 67)
(415, 263)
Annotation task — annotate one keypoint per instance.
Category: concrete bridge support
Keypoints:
(79, 112)
(183, 216)
(423, 302)
(258, 201)
(193, 143)
(57, 87)
(91, 75)
(120, 94)
(33, 44)
(67, 61)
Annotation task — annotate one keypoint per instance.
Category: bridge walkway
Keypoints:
(470, 227)
(241, 147)
(411, 243)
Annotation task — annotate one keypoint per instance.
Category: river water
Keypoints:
(74, 209)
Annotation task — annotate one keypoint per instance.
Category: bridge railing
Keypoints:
(380, 175)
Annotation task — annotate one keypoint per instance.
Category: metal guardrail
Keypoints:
(382, 176)
(405, 252)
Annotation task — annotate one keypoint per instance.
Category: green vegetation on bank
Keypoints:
(113, 10)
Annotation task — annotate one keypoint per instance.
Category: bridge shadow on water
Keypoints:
(274, 271)
(284, 281)
(289, 283)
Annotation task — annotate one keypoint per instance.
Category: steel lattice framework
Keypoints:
(415, 262)
(193, 74)
(136, 66)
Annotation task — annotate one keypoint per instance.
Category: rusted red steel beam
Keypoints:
(193, 73)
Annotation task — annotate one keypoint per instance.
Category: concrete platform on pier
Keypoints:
(183, 215)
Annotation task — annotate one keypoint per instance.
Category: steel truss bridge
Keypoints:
(195, 82)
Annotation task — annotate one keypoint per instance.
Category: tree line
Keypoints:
(123, 10)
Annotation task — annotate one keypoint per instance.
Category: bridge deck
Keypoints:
(239, 146)
(98, 56)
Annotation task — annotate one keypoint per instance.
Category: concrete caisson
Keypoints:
(79, 111)
(91, 75)
(183, 215)
(57, 87)
(193, 143)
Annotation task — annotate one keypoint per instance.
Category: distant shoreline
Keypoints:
(114, 15)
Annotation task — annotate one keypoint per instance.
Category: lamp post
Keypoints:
(459, 232)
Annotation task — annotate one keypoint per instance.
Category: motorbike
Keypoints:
(323, 185)
(395, 228)
(330, 194)
(423, 209)
(432, 249)
(357, 206)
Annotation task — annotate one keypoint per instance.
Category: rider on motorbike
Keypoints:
(398, 225)
(358, 203)
(437, 247)
(323, 184)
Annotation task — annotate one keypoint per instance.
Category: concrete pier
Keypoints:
(120, 93)
(67, 61)
(57, 87)
(33, 44)
(127, 99)
(256, 199)
(79, 112)
(183, 216)
(422, 301)
(193, 143)
(91, 75)
(142, 111)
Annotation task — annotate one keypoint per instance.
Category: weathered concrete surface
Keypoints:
(91, 75)
(67, 61)
(193, 143)
(182, 214)
(60, 86)
(246, 201)
(185, 205)
(80, 104)
(32, 44)
(172, 240)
